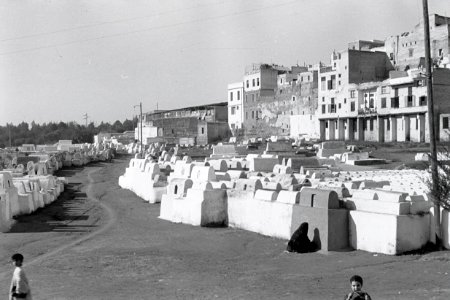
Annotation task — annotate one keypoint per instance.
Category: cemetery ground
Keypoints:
(98, 241)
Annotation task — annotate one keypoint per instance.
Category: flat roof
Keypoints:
(190, 108)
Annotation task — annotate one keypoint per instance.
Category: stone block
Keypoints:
(347, 156)
(260, 164)
(289, 197)
(311, 197)
(333, 145)
(234, 165)
(278, 147)
(375, 206)
(203, 173)
(248, 185)
(219, 165)
(280, 169)
(198, 208)
(371, 184)
(273, 186)
(224, 150)
(223, 176)
(388, 233)
(297, 163)
(178, 187)
(237, 174)
(266, 195)
(390, 196)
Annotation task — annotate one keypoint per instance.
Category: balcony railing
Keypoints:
(367, 111)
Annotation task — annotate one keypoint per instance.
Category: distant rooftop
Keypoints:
(197, 107)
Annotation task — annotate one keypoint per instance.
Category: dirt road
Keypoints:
(101, 242)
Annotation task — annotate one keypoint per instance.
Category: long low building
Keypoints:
(195, 125)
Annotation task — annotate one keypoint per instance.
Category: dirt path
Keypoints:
(131, 254)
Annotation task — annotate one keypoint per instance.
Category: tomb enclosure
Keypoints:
(195, 201)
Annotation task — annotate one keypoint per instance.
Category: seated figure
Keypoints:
(300, 242)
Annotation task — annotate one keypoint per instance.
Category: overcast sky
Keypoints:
(60, 59)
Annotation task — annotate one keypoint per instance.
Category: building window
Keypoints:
(352, 94)
(231, 96)
(292, 113)
(203, 130)
(248, 84)
(395, 102)
(323, 83)
(388, 124)
(293, 98)
(411, 52)
(239, 95)
(441, 53)
(445, 123)
(423, 101)
(384, 90)
(253, 114)
(246, 115)
(332, 107)
(253, 82)
(173, 131)
(352, 106)
(257, 81)
(253, 97)
(371, 101)
(371, 124)
(233, 110)
(323, 108)
(339, 106)
(409, 101)
(383, 102)
(345, 100)
(391, 56)
(246, 98)
(332, 82)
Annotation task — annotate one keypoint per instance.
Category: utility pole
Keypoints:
(141, 119)
(431, 125)
(9, 132)
(85, 117)
(140, 107)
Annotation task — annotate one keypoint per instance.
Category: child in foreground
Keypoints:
(20, 289)
(357, 294)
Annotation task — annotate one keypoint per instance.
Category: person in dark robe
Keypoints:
(299, 241)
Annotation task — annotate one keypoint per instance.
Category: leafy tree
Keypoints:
(49, 133)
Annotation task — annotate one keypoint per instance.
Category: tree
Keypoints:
(440, 191)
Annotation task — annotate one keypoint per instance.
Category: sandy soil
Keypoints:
(101, 242)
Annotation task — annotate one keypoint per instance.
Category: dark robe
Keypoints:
(299, 241)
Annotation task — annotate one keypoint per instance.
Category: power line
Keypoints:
(103, 23)
(148, 29)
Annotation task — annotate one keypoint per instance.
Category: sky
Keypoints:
(62, 59)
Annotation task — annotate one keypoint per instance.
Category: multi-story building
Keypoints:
(199, 125)
(272, 94)
(339, 100)
(378, 93)
(407, 50)
(235, 106)
(390, 110)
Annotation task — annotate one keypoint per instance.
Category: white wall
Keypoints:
(304, 125)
